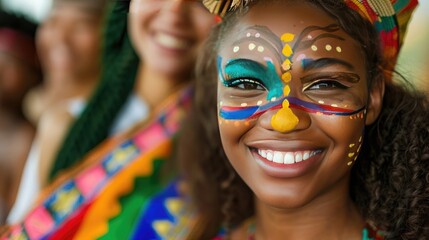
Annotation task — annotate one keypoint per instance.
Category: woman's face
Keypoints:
(167, 33)
(293, 103)
(68, 41)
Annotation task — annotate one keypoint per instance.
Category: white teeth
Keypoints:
(286, 157)
(306, 155)
(278, 157)
(263, 153)
(270, 156)
(298, 157)
(170, 41)
(289, 159)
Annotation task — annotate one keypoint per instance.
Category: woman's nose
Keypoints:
(285, 120)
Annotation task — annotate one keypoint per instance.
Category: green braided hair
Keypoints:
(119, 68)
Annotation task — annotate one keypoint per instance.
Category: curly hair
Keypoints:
(390, 180)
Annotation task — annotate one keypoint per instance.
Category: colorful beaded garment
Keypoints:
(81, 205)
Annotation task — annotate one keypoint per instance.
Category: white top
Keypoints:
(134, 111)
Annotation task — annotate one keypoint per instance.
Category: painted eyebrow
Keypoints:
(243, 64)
(310, 64)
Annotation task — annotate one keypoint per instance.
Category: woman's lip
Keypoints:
(287, 170)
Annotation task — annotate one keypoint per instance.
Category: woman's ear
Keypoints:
(375, 102)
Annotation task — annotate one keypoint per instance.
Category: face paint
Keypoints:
(322, 92)
(328, 92)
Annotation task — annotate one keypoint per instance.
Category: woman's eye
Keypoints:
(326, 85)
(246, 84)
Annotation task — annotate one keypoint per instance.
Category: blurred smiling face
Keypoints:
(68, 41)
(167, 34)
(293, 102)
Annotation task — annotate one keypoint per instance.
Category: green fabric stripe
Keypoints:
(122, 226)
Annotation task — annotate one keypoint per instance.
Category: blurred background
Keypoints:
(412, 63)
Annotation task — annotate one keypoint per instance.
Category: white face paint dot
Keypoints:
(309, 37)
(328, 47)
(261, 49)
(244, 105)
(236, 49)
(252, 46)
(339, 49)
(321, 102)
(257, 35)
(314, 47)
(220, 103)
(334, 105)
(259, 103)
(248, 34)
(273, 99)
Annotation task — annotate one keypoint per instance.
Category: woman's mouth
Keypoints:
(289, 163)
(287, 157)
(172, 42)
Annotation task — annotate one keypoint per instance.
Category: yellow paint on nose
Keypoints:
(284, 120)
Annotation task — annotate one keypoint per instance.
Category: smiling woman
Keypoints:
(308, 136)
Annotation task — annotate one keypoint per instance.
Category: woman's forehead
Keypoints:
(266, 32)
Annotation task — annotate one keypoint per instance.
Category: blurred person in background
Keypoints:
(69, 46)
(19, 72)
(144, 93)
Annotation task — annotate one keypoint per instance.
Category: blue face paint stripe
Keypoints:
(242, 113)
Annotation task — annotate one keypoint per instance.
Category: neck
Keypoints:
(56, 90)
(154, 87)
(332, 215)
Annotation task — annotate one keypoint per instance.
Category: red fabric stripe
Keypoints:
(69, 229)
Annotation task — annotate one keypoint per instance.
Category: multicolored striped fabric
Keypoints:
(390, 18)
(76, 206)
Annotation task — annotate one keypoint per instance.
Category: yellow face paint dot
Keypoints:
(287, 37)
(261, 49)
(287, 65)
(286, 90)
(349, 163)
(328, 47)
(339, 49)
(236, 49)
(314, 47)
(252, 46)
(285, 104)
(286, 77)
(287, 50)
(284, 120)
(351, 155)
(360, 139)
(351, 145)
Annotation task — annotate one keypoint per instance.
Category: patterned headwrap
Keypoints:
(389, 17)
